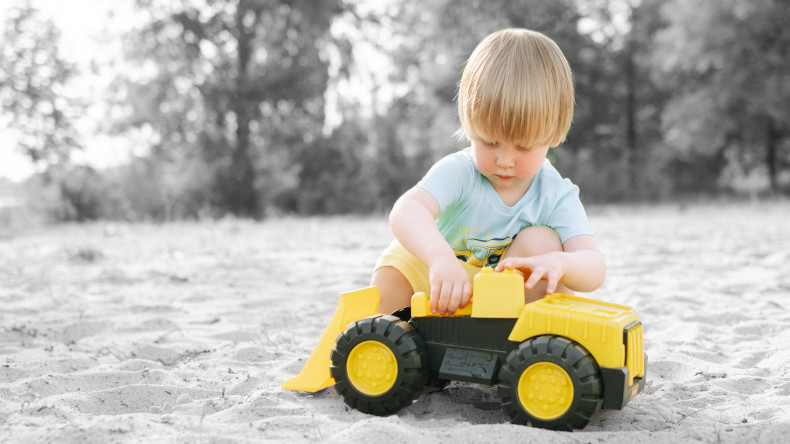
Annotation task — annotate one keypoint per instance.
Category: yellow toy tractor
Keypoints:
(556, 361)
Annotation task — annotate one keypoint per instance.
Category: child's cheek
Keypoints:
(483, 165)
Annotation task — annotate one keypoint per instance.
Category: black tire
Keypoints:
(550, 351)
(403, 313)
(410, 356)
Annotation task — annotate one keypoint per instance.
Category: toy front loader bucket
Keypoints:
(351, 307)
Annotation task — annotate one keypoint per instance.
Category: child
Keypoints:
(499, 203)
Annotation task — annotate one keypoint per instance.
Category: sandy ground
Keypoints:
(185, 332)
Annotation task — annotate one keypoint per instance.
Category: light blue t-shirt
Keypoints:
(479, 226)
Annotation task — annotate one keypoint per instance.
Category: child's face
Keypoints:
(508, 166)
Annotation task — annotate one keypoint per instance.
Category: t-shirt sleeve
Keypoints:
(569, 218)
(446, 179)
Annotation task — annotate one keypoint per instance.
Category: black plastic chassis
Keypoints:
(473, 349)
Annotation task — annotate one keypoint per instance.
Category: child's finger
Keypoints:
(466, 295)
(524, 265)
(455, 298)
(507, 263)
(551, 286)
(444, 298)
(435, 289)
(534, 277)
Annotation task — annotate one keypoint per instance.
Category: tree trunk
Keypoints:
(243, 196)
(771, 145)
(630, 107)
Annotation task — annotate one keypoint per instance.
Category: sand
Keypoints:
(184, 332)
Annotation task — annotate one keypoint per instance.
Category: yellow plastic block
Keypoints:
(421, 306)
(498, 295)
(351, 307)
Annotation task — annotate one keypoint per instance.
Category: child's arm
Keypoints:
(413, 223)
(580, 266)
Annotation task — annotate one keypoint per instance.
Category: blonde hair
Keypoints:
(516, 87)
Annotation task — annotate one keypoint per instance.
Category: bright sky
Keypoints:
(79, 21)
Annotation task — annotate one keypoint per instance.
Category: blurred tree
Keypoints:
(614, 149)
(41, 110)
(34, 88)
(429, 45)
(235, 96)
(83, 194)
(337, 178)
(235, 86)
(728, 65)
(618, 119)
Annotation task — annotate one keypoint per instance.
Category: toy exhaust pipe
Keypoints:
(351, 307)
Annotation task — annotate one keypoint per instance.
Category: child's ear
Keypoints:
(556, 142)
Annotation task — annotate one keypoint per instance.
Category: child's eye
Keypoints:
(523, 148)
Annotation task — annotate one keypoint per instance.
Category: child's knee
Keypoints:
(394, 289)
(533, 241)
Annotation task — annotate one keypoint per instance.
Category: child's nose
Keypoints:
(505, 160)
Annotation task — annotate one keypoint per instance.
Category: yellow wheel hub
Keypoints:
(372, 368)
(545, 390)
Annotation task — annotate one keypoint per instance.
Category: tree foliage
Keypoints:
(34, 80)
(231, 88)
(253, 107)
(436, 41)
(728, 64)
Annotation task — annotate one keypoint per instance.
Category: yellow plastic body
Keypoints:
(597, 326)
(351, 307)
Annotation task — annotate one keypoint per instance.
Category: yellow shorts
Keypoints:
(415, 270)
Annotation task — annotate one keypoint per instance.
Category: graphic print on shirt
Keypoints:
(483, 252)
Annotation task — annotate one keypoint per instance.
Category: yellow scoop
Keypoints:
(351, 307)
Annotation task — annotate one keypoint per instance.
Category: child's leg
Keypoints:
(394, 288)
(534, 241)
(399, 274)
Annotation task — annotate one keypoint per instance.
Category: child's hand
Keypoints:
(450, 286)
(548, 267)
